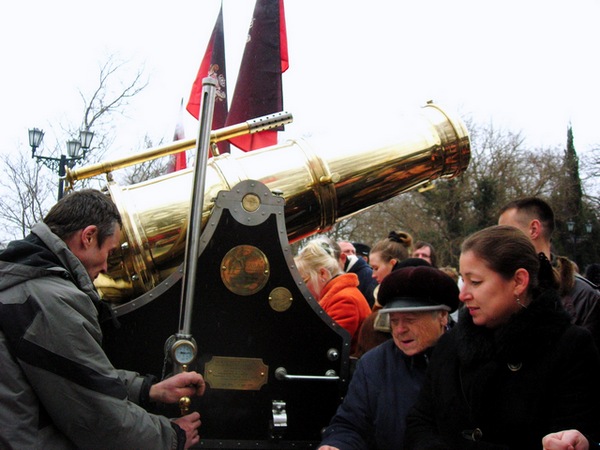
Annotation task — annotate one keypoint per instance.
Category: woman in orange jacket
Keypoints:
(337, 292)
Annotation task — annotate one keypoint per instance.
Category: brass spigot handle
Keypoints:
(184, 402)
(184, 405)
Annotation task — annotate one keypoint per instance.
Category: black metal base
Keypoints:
(245, 324)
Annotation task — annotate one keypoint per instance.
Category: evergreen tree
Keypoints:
(568, 205)
(573, 190)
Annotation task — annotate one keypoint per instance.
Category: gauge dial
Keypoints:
(183, 351)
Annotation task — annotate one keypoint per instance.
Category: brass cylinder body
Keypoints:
(320, 187)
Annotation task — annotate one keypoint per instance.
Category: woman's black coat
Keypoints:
(509, 387)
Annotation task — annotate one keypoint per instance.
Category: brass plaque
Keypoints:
(280, 299)
(245, 270)
(239, 374)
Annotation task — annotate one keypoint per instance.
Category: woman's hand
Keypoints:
(565, 440)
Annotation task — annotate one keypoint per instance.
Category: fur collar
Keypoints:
(528, 333)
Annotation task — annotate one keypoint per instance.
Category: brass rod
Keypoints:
(251, 126)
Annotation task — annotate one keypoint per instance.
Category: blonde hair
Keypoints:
(451, 271)
(317, 254)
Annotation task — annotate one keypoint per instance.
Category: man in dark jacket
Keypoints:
(366, 282)
(580, 297)
(350, 263)
(388, 378)
(58, 389)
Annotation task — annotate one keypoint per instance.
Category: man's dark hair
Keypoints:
(432, 255)
(592, 273)
(534, 208)
(79, 209)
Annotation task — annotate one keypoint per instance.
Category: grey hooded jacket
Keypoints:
(58, 389)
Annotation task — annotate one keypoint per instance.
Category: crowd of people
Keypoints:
(499, 354)
(502, 356)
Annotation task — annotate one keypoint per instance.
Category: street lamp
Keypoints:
(76, 149)
(574, 237)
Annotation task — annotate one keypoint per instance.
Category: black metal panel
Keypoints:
(144, 325)
(246, 327)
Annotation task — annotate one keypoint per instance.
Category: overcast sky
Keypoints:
(529, 66)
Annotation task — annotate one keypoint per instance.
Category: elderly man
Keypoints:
(58, 389)
(350, 263)
(388, 378)
(347, 248)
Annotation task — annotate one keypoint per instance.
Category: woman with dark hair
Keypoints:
(513, 369)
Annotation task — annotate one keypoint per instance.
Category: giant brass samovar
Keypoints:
(320, 186)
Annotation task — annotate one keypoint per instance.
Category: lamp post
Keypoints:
(574, 237)
(76, 149)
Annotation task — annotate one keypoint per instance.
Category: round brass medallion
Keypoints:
(245, 270)
(251, 202)
(280, 299)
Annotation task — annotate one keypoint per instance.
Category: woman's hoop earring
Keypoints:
(520, 304)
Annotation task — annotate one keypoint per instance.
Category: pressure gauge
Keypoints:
(183, 351)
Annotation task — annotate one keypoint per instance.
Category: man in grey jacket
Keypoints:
(58, 389)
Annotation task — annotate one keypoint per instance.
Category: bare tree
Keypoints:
(148, 169)
(22, 205)
(111, 97)
(28, 188)
(590, 168)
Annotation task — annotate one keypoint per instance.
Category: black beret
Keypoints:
(361, 249)
(421, 288)
(410, 262)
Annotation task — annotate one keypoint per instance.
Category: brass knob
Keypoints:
(184, 405)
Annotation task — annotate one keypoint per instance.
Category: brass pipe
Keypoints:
(250, 126)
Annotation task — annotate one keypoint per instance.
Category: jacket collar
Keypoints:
(526, 334)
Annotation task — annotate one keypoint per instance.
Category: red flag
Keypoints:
(213, 65)
(178, 160)
(258, 90)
